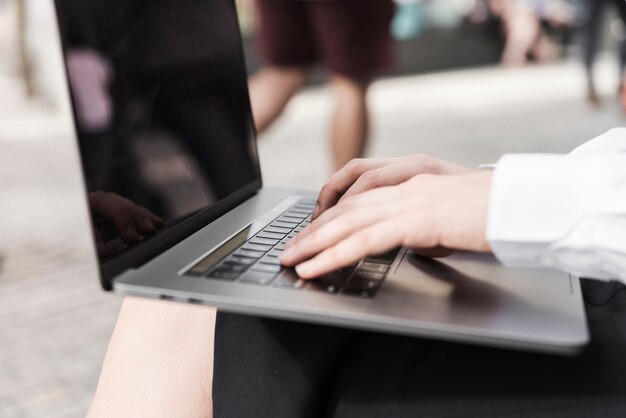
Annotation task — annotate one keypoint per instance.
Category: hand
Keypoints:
(360, 175)
(130, 220)
(426, 212)
(90, 75)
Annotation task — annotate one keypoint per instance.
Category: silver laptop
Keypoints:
(179, 213)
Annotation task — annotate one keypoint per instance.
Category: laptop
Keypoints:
(179, 211)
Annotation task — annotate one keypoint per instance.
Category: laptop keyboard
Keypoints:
(256, 261)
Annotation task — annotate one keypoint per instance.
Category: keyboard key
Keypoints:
(270, 260)
(268, 268)
(288, 222)
(279, 247)
(258, 277)
(364, 284)
(264, 241)
(287, 218)
(335, 280)
(317, 286)
(248, 253)
(374, 267)
(386, 258)
(277, 230)
(307, 201)
(270, 235)
(294, 214)
(356, 291)
(289, 281)
(223, 275)
(283, 224)
(257, 247)
(274, 253)
(237, 268)
(368, 275)
(243, 261)
(348, 269)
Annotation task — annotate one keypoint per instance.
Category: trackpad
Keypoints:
(477, 271)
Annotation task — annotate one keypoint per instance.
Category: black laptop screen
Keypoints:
(162, 113)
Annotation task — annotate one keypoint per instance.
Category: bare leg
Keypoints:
(271, 89)
(522, 31)
(159, 362)
(350, 121)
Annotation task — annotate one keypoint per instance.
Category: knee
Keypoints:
(347, 88)
(294, 76)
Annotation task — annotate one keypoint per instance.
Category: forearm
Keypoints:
(159, 362)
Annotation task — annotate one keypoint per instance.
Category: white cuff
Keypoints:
(535, 199)
(563, 211)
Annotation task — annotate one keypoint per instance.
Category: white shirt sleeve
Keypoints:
(563, 211)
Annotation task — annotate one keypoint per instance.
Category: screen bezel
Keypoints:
(151, 249)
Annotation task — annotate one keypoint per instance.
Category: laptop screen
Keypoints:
(162, 114)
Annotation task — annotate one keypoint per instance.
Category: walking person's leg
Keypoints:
(271, 89)
(288, 52)
(522, 31)
(355, 42)
(621, 8)
(350, 123)
(591, 34)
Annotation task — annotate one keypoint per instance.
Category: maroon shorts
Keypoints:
(350, 37)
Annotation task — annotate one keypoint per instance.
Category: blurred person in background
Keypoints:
(593, 22)
(523, 24)
(351, 38)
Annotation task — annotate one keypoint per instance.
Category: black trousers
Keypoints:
(271, 368)
(592, 30)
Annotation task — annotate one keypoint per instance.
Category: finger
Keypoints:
(324, 218)
(140, 221)
(389, 175)
(109, 207)
(145, 221)
(342, 180)
(384, 194)
(331, 233)
(156, 220)
(376, 239)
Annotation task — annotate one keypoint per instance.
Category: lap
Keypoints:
(301, 370)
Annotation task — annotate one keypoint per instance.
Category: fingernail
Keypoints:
(304, 269)
(316, 211)
(147, 223)
(288, 253)
(132, 233)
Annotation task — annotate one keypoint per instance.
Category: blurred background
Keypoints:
(470, 80)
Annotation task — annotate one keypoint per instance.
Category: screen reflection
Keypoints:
(162, 111)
